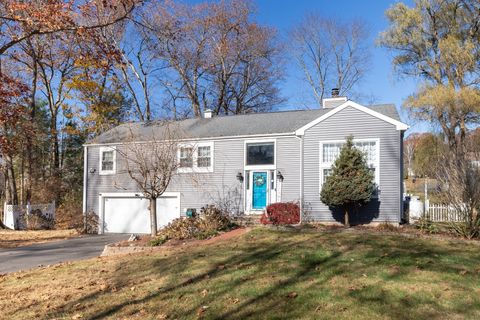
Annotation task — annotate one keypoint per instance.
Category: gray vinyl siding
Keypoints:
(222, 188)
(361, 125)
(288, 163)
(219, 187)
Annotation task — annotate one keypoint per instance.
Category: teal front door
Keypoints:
(259, 190)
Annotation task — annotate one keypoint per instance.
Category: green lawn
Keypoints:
(264, 274)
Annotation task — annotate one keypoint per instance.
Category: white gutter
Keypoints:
(242, 137)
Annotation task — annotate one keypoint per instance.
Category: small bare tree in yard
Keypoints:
(152, 164)
(462, 178)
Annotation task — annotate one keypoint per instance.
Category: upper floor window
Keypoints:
(196, 157)
(186, 157)
(260, 153)
(107, 160)
(329, 151)
(204, 157)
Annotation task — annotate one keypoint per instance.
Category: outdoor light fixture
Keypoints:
(279, 176)
(240, 177)
(92, 170)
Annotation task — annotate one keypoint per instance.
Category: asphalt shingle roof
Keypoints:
(226, 126)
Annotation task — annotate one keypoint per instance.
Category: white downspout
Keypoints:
(85, 176)
(301, 181)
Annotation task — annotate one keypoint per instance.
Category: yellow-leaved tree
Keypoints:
(438, 42)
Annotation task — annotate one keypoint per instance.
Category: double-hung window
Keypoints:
(330, 150)
(186, 157)
(196, 157)
(204, 156)
(107, 160)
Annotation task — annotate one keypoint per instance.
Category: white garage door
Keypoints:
(131, 215)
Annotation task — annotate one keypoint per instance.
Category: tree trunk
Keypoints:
(33, 112)
(6, 186)
(12, 185)
(22, 180)
(55, 168)
(196, 109)
(347, 220)
(55, 144)
(153, 216)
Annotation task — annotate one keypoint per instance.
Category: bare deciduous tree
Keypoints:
(246, 62)
(331, 54)
(217, 57)
(178, 35)
(409, 146)
(136, 66)
(152, 164)
(461, 175)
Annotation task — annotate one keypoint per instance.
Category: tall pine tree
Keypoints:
(351, 182)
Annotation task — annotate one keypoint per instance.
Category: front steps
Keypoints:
(248, 220)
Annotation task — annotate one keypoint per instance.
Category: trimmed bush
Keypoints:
(69, 214)
(90, 225)
(213, 218)
(181, 229)
(281, 213)
(209, 223)
(158, 241)
(37, 221)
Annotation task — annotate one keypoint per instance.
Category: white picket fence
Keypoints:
(15, 216)
(441, 213)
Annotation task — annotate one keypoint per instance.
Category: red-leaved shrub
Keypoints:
(281, 213)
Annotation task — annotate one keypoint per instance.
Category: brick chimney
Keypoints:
(335, 100)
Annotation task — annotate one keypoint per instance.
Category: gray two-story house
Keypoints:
(243, 163)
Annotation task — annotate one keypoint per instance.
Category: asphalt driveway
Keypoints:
(42, 254)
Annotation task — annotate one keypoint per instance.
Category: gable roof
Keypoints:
(269, 123)
(371, 111)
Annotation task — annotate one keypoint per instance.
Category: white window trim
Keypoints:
(195, 168)
(106, 149)
(323, 166)
(260, 166)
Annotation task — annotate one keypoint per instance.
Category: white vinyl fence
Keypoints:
(433, 212)
(442, 213)
(15, 216)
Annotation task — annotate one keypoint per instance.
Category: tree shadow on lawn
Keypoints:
(167, 264)
(246, 260)
(321, 261)
(421, 254)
